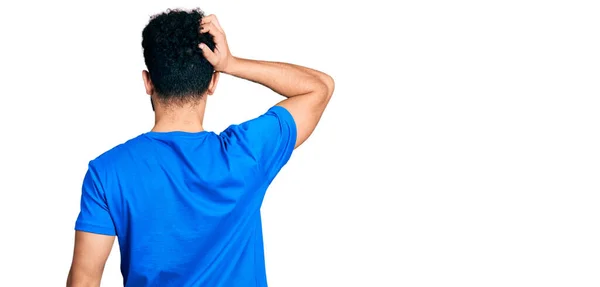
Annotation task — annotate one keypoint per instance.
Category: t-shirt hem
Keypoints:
(85, 227)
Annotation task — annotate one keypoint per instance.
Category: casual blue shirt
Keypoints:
(185, 207)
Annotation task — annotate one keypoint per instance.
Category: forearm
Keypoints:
(285, 79)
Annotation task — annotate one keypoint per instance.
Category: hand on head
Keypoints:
(221, 57)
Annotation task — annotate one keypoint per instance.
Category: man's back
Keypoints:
(185, 206)
(185, 203)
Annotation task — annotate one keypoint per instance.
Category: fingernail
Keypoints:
(201, 45)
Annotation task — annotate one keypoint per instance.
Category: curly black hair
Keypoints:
(177, 68)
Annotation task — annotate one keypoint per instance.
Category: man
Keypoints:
(184, 202)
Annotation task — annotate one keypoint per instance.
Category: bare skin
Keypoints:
(89, 257)
(307, 93)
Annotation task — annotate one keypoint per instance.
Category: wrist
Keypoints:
(232, 64)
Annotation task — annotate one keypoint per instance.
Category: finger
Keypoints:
(215, 21)
(207, 18)
(212, 29)
(212, 19)
(208, 54)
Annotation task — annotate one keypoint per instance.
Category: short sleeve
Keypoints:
(270, 139)
(94, 216)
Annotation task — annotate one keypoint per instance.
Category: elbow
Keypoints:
(322, 87)
(326, 86)
(329, 84)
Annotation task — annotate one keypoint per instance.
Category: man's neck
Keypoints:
(187, 118)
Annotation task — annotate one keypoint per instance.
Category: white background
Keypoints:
(461, 147)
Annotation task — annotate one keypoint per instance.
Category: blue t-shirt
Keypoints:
(185, 207)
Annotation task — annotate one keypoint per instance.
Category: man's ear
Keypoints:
(212, 86)
(148, 83)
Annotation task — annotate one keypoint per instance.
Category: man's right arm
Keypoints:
(308, 91)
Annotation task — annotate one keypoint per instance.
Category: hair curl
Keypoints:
(177, 68)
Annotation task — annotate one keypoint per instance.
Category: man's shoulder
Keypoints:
(118, 153)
